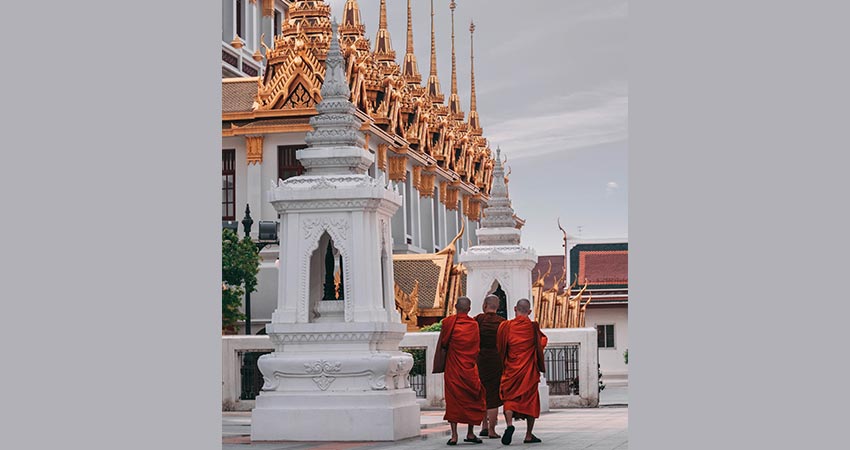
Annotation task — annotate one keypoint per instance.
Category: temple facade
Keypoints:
(244, 23)
(432, 152)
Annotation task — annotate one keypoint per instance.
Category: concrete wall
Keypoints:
(435, 393)
(231, 379)
(611, 360)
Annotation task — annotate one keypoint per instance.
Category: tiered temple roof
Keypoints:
(413, 118)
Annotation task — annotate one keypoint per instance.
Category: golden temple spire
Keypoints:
(474, 124)
(351, 30)
(351, 15)
(454, 99)
(433, 85)
(410, 69)
(383, 45)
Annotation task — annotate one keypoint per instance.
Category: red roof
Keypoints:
(599, 267)
(604, 267)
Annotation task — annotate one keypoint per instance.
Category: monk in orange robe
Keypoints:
(464, 393)
(518, 340)
(489, 363)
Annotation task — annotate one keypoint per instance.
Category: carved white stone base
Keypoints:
(338, 416)
(343, 381)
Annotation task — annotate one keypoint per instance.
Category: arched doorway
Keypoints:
(503, 299)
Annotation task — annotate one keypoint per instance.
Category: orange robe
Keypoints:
(520, 377)
(464, 392)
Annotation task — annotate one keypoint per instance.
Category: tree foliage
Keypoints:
(433, 327)
(240, 262)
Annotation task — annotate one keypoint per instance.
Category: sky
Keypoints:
(552, 92)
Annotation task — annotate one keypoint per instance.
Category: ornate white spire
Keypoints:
(499, 213)
(336, 129)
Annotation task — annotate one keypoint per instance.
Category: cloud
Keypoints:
(615, 11)
(573, 122)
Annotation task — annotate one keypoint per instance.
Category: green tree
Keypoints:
(433, 327)
(240, 262)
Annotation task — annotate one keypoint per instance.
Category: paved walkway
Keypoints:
(603, 428)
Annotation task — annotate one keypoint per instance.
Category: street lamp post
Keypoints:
(267, 234)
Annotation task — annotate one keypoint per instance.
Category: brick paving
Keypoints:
(570, 429)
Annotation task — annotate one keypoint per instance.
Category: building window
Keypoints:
(605, 336)
(277, 24)
(288, 165)
(228, 184)
(240, 19)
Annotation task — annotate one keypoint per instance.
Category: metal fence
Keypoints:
(562, 369)
(417, 373)
(252, 379)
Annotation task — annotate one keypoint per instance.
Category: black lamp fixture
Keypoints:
(231, 225)
(267, 231)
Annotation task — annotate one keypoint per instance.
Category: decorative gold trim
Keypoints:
(451, 199)
(268, 9)
(254, 149)
(398, 168)
(271, 129)
(381, 155)
(417, 176)
(443, 186)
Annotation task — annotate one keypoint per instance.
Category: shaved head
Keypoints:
(463, 304)
(491, 303)
(523, 307)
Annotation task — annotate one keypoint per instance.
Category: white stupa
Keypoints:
(498, 261)
(336, 373)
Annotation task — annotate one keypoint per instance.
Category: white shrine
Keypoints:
(498, 261)
(336, 373)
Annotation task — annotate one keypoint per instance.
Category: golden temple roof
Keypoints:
(411, 116)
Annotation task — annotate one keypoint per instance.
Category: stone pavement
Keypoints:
(604, 428)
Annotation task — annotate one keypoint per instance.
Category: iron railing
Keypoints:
(562, 369)
(417, 373)
(252, 379)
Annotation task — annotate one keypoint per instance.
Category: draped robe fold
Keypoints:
(463, 389)
(520, 377)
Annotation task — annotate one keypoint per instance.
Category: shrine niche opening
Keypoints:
(327, 282)
(496, 289)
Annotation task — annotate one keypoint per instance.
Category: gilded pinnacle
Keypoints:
(433, 81)
(454, 99)
(410, 69)
(383, 44)
(473, 111)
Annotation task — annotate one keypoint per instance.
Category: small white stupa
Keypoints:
(498, 261)
(336, 373)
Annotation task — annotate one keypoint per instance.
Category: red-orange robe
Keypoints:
(520, 377)
(463, 389)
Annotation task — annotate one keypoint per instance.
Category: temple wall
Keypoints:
(435, 397)
(611, 360)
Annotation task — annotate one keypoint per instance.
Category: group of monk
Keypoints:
(491, 362)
